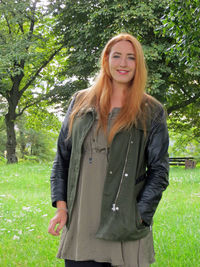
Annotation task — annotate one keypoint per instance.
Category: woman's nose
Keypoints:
(123, 62)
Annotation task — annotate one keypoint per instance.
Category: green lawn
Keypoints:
(25, 211)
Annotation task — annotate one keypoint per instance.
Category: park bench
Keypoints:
(188, 162)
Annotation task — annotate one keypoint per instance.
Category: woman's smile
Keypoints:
(123, 72)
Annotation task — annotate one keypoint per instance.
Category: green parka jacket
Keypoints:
(137, 174)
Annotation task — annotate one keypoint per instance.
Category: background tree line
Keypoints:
(50, 50)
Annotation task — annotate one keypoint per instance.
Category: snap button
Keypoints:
(110, 172)
(126, 174)
(131, 142)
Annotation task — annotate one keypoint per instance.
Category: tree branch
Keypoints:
(183, 104)
(37, 100)
(185, 92)
(32, 79)
(21, 27)
(8, 25)
(32, 19)
(22, 63)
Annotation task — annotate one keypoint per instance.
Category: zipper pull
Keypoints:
(114, 208)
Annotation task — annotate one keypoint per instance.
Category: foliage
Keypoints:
(87, 26)
(37, 134)
(184, 130)
(47, 52)
(26, 34)
(182, 22)
(184, 144)
(27, 46)
(2, 137)
(42, 117)
(39, 146)
(186, 119)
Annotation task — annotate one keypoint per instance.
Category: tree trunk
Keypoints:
(11, 139)
(13, 97)
(22, 143)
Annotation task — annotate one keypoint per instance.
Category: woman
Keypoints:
(111, 165)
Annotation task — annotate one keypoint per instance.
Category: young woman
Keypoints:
(111, 165)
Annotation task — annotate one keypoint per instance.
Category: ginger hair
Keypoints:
(99, 94)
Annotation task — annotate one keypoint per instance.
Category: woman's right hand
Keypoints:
(57, 222)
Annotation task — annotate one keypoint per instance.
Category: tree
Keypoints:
(182, 22)
(183, 141)
(27, 46)
(87, 26)
(37, 132)
(3, 110)
(2, 137)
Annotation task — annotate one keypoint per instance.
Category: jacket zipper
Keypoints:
(114, 207)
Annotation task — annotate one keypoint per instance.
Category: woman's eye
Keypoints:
(115, 56)
(132, 58)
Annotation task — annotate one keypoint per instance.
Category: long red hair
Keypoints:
(99, 95)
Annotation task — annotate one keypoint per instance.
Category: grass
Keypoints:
(26, 210)
(25, 214)
(177, 231)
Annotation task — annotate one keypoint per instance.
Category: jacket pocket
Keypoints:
(122, 225)
(138, 218)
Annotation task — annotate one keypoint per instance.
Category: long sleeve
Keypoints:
(157, 168)
(60, 167)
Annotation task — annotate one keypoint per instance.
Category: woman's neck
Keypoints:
(117, 96)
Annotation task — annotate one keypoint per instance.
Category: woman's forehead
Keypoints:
(123, 46)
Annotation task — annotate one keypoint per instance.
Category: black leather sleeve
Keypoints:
(60, 168)
(157, 168)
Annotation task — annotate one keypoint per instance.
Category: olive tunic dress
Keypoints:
(79, 242)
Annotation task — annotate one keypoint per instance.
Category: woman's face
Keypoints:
(122, 62)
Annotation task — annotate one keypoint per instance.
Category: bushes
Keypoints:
(36, 137)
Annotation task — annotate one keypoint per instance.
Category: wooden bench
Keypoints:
(188, 162)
